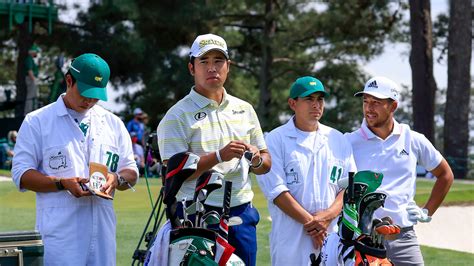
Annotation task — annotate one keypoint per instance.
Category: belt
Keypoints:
(406, 229)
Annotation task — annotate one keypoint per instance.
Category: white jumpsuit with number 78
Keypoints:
(75, 231)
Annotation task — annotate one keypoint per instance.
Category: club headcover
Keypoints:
(210, 181)
(364, 183)
(367, 207)
(180, 167)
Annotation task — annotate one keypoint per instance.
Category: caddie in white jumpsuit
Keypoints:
(54, 147)
(301, 188)
(383, 145)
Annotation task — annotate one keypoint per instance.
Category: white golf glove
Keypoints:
(416, 213)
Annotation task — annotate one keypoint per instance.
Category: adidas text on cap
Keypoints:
(306, 86)
(92, 74)
(382, 88)
(207, 42)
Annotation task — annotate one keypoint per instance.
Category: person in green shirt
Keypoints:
(31, 79)
(59, 85)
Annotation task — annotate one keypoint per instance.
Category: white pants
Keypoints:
(31, 95)
(78, 234)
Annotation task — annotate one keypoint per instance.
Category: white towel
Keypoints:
(158, 253)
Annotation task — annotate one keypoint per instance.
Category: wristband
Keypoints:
(58, 184)
(218, 155)
(260, 162)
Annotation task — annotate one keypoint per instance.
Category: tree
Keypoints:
(421, 62)
(278, 41)
(456, 127)
(24, 42)
(271, 43)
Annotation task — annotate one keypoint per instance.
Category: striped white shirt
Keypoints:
(200, 125)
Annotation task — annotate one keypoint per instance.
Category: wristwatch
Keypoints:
(121, 180)
(58, 184)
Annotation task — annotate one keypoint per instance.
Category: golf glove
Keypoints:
(416, 214)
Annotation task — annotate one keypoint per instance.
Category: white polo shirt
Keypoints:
(396, 158)
(308, 165)
(200, 125)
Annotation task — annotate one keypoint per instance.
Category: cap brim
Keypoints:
(214, 48)
(91, 91)
(375, 94)
(307, 93)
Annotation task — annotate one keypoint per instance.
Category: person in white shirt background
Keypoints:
(54, 149)
(308, 158)
(383, 145)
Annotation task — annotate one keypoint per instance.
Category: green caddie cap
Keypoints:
(306, 86)
(34, 48)
(92, 74)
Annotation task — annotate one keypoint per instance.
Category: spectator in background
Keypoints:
(146, 129)
(31, 79)
(138, 152)
(136, 125)
(59, 84)
(7, 150)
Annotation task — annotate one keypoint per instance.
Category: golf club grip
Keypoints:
(350, 188)
(172, 216)
(227, 197)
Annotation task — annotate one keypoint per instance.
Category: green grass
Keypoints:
(459, 193)
(441, 257)
(17, 212)
(4, 172)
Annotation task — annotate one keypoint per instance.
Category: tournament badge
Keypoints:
(97, 179)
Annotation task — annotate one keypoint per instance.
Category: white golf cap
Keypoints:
(207, 42)
(382, 88)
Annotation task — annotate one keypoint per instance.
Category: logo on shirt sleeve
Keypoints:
(292, 177)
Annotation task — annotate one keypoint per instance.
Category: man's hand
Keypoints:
(111, 184)
(416, 213)
(318, 238)
(317, 228)
(256, 157)
(75, 186)
(318, 223)
(235, 149)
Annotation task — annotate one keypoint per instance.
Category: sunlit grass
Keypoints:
(460, 192)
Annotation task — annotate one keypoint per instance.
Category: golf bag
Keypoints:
(182, 242)
(359, 240)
